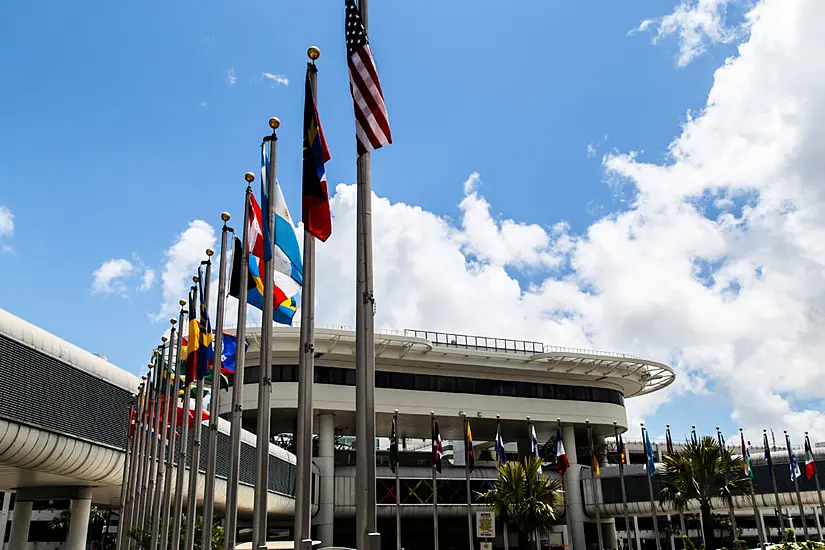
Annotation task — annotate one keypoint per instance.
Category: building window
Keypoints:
(340, 376)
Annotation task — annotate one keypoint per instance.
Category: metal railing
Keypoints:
(482, 343)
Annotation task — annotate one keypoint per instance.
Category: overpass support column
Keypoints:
(20, 520)
(573, 493)
(81, 509)
(326, 464)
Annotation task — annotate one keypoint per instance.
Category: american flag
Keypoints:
(372, 127)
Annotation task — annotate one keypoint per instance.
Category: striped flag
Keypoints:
(372, 127)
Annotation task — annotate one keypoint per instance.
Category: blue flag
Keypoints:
(651, 463)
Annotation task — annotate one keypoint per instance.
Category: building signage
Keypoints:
(485, 525)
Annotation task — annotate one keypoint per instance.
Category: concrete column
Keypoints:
(81, 508)
(326, 464)
(20, 520)
(573, 494)
(4, 516)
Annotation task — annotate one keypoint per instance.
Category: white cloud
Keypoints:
(717, 266)
(231, 77)
(277, 79)
(148, 280)
(696, 24)
(113, 275)
(6, 227)
(182, 260)
(108, 278)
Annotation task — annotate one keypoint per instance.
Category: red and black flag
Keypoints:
(315, 213)
(438, 448)
(372, 127)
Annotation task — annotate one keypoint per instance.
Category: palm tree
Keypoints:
(701, 471)
(523, 496)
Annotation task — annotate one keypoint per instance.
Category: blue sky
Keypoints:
(124, 122)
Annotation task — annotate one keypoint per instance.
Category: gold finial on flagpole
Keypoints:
(209, 252)
(195, 278)
(249, 177)
(274, 123)
(225, 217)
(313, 52)
(182, 303)
(173, 321)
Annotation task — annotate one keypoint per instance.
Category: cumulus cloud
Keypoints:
(231, 77)
(696, 24)
(182, 260)
(148, 280)
(277, 79)
(6, 226)
(108, 278)
(716, 266)
(116, 275)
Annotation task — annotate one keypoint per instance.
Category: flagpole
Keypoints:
(650, 486)
(306, 368)
(231, 531)
(627, 528)
(259, 528)
(195, 460)
(171, 418)
(147, 437)
(730, 507)
(593, 483)
(467, 451)
(128, 512)
(365, 512)
(164, 445)
(816, 479)
(669, 452)
(124, 484)
(796, 486)
(212, 442)
(435, 482)
(134, 491)
(775, 490)
(155, 454)
(500, 453)
(180, 473)
(759, 529)
(123, 519)
(398, 487)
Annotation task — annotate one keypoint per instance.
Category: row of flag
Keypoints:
(271, 246)
(560, 457)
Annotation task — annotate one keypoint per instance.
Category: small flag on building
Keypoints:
(794, 467)
(810, 463)
(768, 459)
(468, 449)
(394, 444)
(438, 448)
(501, 452)
(651, 462)
(372, 127)
(561, 457)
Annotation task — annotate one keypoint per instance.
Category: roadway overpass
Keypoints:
(63, 430)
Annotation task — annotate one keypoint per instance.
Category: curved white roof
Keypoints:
(49, 344)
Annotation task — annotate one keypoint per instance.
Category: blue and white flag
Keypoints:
(794, 466)
(501, 453)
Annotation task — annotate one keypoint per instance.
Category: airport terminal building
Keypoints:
(63, 430)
